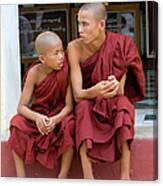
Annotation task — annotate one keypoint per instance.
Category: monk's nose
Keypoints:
(80, 29)
(60, 55)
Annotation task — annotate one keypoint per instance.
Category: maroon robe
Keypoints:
(104, 124)
(48, 99)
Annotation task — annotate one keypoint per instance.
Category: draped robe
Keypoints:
(104, 124)
(49, 99)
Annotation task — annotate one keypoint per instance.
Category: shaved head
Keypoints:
(98, 10)
(44, 40)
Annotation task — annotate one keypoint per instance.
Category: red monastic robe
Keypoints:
(48, 99)
(104, 124)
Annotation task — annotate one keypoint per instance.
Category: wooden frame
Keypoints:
(151, 28)
(114, 14)
(34, 19)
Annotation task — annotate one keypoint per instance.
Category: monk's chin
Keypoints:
(58, 68)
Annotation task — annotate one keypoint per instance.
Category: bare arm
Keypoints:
(67, 108)
(23, 109)
(26, 96)
(56, 119)
(122, 85)
(76, 77)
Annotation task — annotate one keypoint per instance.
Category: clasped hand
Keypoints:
(45, 124)
(107, 88)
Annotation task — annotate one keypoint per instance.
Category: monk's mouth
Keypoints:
(61, 65)
(81, 36)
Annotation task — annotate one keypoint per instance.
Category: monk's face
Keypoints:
(54, 57)
(89, 27)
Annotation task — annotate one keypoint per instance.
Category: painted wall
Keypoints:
(9, 65)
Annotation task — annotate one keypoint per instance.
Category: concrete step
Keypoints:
(143, 164)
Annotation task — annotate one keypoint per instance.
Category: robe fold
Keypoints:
(104, 124)
(49, 99)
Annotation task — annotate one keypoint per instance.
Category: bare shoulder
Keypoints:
(34, 73)
(74, 52)
(75, 45)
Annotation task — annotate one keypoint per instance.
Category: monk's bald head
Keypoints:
(44, 40)
(97, 9)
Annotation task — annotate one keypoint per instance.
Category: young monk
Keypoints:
(43, 129)
(107, 77)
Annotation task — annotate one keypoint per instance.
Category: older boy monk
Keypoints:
(107, 77)
(43, 129)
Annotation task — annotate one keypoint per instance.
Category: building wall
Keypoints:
(10, 65)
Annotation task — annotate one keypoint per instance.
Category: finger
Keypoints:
(50, 122)
(111, 94)
(45, 121)
(112, 77)
(114, 85)
(50, 128)
(114, 92)
(108, 86)
(40, 131)
(38, 124)
(102, 83)
(45, 131)
(42, 126)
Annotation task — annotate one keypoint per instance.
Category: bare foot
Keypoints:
(124, 177)
(62, 176)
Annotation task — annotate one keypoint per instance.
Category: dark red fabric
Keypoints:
(49, 99)
(105, 124)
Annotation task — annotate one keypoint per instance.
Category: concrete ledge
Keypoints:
(146, 132)
(143, 164)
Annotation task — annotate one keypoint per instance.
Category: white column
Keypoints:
(9, 65)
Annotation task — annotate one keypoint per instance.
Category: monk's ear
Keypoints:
(102, 24)
(41, 58)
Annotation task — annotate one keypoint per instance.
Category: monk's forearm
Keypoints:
(27, 113)
(121, 85)
(64, 112)
(88, 93)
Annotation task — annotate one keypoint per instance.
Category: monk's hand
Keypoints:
(114, 83)
(111, 94)
(113, 87)
(52, 124)
(41, 123)
(117, 84)
(101, 88)
(106, 86)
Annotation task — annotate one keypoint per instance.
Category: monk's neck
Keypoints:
(97, 43)
(46, 69)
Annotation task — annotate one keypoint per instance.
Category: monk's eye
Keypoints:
(58, 52)
(85, 24)
(61, 51)
(55, 53)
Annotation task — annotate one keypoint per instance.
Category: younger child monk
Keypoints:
(43, 129)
